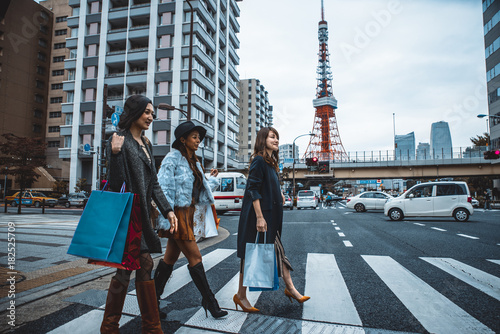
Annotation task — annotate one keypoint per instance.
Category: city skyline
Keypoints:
(422, 61)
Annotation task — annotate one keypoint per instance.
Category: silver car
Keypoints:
(369, 200)
(307, 199)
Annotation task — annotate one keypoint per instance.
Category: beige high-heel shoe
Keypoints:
(237, 302)
(300, 300)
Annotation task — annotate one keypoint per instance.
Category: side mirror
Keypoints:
(411, 196)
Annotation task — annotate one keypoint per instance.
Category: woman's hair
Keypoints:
(198, 176)
(260, 147)
(133, 110)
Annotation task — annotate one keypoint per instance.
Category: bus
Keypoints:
(229, 193)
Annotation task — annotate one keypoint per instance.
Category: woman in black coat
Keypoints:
(130, 160)
(262, 211)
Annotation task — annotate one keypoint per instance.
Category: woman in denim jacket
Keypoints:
(182, 180)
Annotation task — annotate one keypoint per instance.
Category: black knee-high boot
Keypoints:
(162, 274)
(209, 302)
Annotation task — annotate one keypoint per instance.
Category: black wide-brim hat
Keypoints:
(184, 129)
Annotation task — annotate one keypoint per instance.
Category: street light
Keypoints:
(165, 106)
(293, 155)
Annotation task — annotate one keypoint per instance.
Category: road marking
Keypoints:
(330, 299)
(485, 282)
(332, 221)
(235, 233)
(495, 261)
(435, 312)
(419, 224)
(347, 243)
(334, 224)
(438, 229)
(337, 228)
(88, 323)
(467, 236)
(341, 234)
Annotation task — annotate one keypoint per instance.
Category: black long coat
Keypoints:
(262, 184)
(133, 167)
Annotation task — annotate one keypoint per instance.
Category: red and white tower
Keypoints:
(326, 144)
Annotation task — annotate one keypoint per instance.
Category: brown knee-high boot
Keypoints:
(146, 297)
(114, 304)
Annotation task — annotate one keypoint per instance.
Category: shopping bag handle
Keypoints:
(122, 190)
(257, 237)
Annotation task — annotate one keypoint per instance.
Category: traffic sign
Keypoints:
(118, 110)
(115, 118)
(281, 167)
(86, 147)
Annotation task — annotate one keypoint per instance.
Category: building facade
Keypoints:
(423, 151)
(405, 147)
(286, 153)
(491, 18)
(255, 113)
(58, 168)
(123, 47)
(441, 145)
(25, 51)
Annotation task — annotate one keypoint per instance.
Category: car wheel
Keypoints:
(359, 207)
(13, 203)
(67, 205)
(396, 214)
(37, 204)
(461, 215)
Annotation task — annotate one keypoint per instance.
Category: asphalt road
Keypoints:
(361, 269)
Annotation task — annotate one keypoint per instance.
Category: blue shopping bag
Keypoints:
(101, 233)
(276, 285)
(260, 263)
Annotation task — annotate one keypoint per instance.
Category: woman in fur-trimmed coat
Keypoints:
(182, 180)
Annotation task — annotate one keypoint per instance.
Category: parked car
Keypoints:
(432, 199)
(30, 198)
(368, 200)
(62, 200)
(474, 202)
(76, 199)
(288, 202)
(306, 199)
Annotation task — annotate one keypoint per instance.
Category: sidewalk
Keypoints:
(42, 276)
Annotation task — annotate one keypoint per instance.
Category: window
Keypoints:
(56, 99)
(90, 72)
(56, 73)
(38, 98)
(164, 64)
(445, 190)
(422, 191)
(60, 45)
(89, 94)
(53, 129)
(61, 32)
(61, 19)
(163, 88)
(94, 7)
(165, 41)
(74, 32)
(68, 119)
(40, 84)
(55, 114)
(56, 86)
(92, 50)
(93, 28)
(87, 117)
(58, 59)
(71, 74)
(37, 128)
(42, 56)
(160, 138)
(54, 143)
(37, 113)
(70, 96)
(75, 11)
(166, 18)
(67, 141)
(43, 29)
(226, 184)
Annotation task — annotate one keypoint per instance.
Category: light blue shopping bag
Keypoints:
(101, 233)
(260, 265)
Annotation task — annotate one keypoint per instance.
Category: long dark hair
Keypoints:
(133, 110)
(198, 176)
(260, 147)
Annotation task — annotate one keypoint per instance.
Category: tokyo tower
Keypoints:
(326, 144)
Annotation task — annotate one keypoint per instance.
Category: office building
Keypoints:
(441, 147)
(58, 168)
(25, 51)
(405, 147)
(423, 151)
(286, 153)
(255, 113)
(142, 47)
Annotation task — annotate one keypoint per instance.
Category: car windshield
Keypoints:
(38, 195)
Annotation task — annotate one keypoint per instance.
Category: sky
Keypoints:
(422, 61)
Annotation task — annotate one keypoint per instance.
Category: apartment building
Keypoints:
(255, 113)
(25, 40)
(57, 167)
(142, 47)
(286, 153)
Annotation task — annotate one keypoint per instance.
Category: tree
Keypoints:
(80, 185)
(60, 187)
(22, 155)
(481, 140)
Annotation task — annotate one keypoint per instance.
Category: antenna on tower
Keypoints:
(322, 12)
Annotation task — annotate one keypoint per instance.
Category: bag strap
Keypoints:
(257, 237)
(122, 190)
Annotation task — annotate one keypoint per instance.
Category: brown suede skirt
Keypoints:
(185, 217)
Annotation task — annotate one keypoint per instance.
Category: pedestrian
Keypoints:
(130, 160)
(183, 181)
(487, 200)
(262, 211)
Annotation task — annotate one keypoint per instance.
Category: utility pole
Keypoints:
(101, 154)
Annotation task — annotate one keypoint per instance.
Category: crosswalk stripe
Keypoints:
(233, 322)
(330, 299)
(88, 323)
(436, 313)
(485, 282)
(495, 261)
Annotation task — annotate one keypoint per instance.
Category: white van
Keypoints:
(432, 199)
(229, 194)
